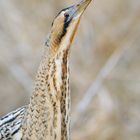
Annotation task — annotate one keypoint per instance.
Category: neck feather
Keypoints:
(48, 111)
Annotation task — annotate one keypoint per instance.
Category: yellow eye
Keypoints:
(66, 15)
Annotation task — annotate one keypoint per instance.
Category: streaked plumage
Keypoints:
(47, 117)
(11, 123)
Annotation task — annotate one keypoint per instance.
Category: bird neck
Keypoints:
(48, 111)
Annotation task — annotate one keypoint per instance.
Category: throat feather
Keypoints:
(58, 73)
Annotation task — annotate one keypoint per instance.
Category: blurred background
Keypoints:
(105, 63)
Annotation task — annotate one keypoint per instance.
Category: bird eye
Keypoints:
(66, 15)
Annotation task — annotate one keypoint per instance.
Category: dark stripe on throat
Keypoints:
(66, 25)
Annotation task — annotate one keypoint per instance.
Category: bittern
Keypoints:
(47, 117)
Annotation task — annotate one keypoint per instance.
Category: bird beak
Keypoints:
(81, 7)
(78, 9)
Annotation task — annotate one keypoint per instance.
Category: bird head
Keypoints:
(65, 25)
